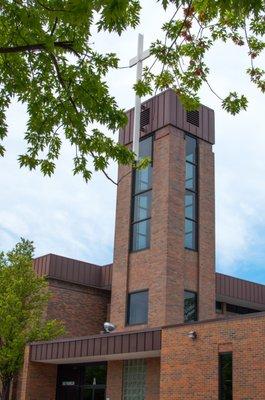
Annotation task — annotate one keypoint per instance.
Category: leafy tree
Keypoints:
(48, 61)
(23, 297)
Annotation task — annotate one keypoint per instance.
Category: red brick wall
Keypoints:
(166, 269)
(114, 380)
(189, 369)
(83, 310)
(206, 254)
(121, 255)
(38, 381)
(153, 379)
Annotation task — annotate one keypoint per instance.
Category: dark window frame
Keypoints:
(194, 192)
(134, 195)
(219, 309)
(221, 383)
(127, 322)
(196, 304)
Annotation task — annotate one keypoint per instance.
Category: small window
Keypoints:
(190, 205)
(137, 311)
(190, 306)
(142, 205)
(145, 148)
(191, 176)
(225, 376)
(143, 180)
(191, 149)
(190, 234)
(141, 235)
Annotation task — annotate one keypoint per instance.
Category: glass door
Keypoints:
(94, 392)
(82, 382)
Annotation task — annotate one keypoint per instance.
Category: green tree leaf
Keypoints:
(23, 300)
(49, 62)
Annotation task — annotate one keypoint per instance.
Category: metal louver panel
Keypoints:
(193, 117)
(145, 117)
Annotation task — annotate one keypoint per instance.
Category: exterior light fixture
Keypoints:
(109, 327)
(192, 335)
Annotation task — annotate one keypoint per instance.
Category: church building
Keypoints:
(177, 329)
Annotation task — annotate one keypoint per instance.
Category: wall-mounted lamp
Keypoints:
(192, 335)
(109, 327)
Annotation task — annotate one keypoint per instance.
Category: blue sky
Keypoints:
(64, 215)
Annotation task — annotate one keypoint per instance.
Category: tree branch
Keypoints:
(62, 83)
(67, 45)
(247, 40)
(104, 172)
(54, 26)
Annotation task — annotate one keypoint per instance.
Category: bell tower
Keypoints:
(164, 256)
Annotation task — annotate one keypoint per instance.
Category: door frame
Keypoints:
(81, 384)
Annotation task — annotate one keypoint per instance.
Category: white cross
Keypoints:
(138, 60)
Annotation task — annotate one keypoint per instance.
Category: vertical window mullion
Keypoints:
(191, 193)
(141, 200)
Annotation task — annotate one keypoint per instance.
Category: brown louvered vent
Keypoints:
(145, 117)
(193, 117)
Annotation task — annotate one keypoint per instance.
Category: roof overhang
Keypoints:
(240, 302)
(103, 347)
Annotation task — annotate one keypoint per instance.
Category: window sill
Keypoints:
(143, 324)
(194, 250)
(138, 251)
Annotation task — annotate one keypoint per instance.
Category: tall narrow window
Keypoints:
(142, 198)
(225, 376)
(190, 306)
(191, 194)
(134, 380)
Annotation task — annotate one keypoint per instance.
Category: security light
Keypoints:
(192, 335)
(109, 327)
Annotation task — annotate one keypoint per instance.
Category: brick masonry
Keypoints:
(153, 379)
(189, 369)
(114, 380)
(83, 310)
(37, 381)
(167, 269)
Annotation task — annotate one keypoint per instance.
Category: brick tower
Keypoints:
(165, 231)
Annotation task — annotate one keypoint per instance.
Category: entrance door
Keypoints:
(95, 392)
(81, 382)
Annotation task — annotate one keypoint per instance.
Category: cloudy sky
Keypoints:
(63, 215)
